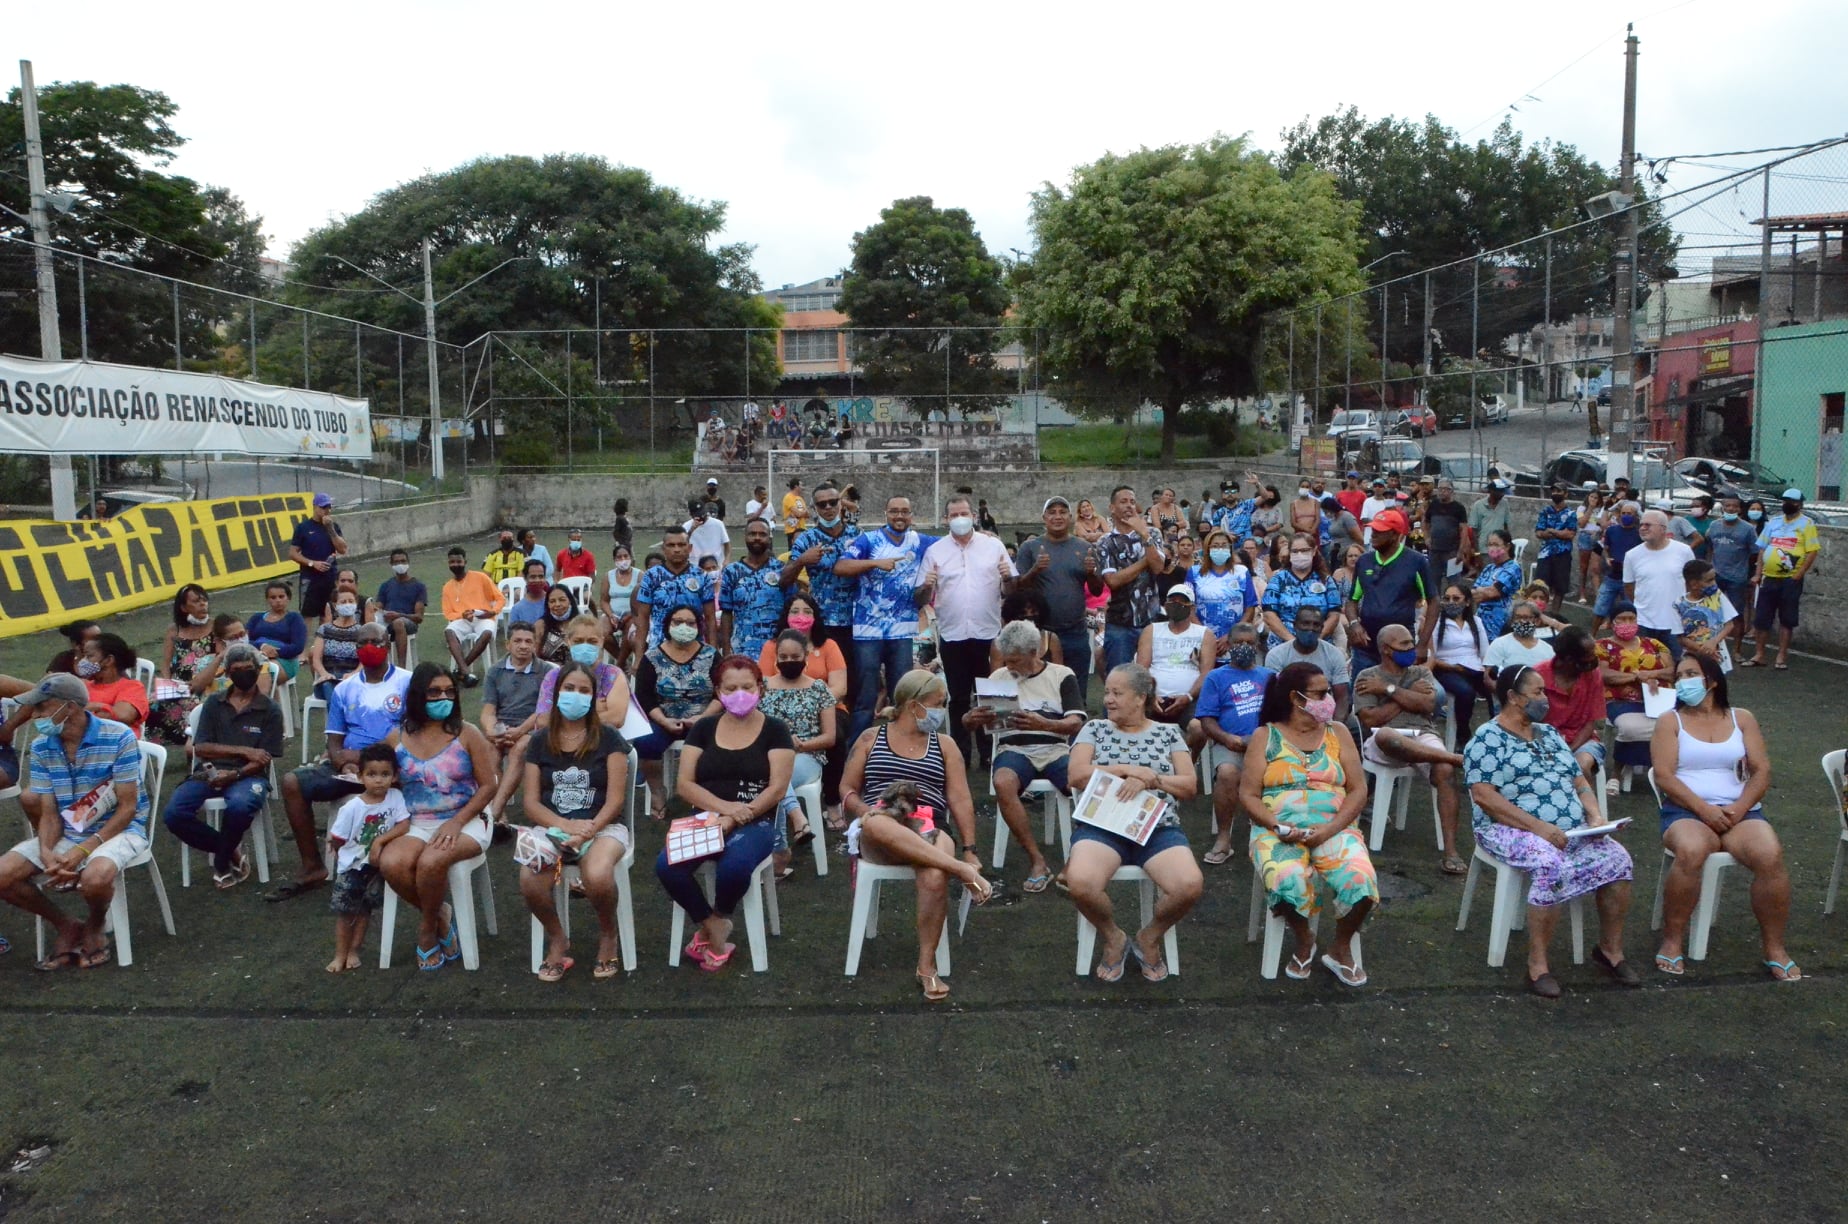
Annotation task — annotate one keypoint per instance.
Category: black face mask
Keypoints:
(458, 570)
(789, 669)
(243, 679)
(1792, 509)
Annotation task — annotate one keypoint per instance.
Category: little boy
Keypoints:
(361, 828)
(1707, 616)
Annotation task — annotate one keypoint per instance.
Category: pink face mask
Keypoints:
(739, 702)
(1322, 709)
(1625, 633)
(801, 622)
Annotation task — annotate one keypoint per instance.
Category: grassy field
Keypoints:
(225, 1074)
(1104, 445)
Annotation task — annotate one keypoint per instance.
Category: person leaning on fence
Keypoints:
(1142, 754)
(89, 817)
(1303, 790)
(1527, 794)
(1712, 769)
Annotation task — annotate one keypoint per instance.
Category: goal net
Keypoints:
(911, 468)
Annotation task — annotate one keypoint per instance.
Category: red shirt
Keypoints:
(1352, 500)
(1570, 713)
(575, 564)
(125, 688)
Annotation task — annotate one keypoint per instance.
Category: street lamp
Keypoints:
(430, 302)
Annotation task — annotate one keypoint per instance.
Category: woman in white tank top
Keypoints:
(1712, 771)
(1178, 653)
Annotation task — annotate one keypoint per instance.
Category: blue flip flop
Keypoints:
(1784, 971)
(1152, 970)
(448, 942)
(429, 960)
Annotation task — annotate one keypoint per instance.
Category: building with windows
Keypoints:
(814, 345)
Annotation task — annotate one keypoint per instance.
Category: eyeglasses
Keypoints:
(827, 505)
(437, 694)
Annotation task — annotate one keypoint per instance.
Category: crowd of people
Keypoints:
(1263, 652)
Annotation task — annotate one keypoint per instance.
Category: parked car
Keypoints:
(1739, 478)
(1470, 473)
(1494, 410)
(118, 500)
(1604, 397)
(1490, 410)
(1349, 446)
(1650, 477)
(1357, 420)
(1414, 422)
(1393, 456)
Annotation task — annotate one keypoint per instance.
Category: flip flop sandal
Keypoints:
(451, 952)
(785, 873)
(1453, 865)
(224, 881)
(697, 949)
(802, 839)
(94, 960)
(1307, 962)
(554, 971)
(1671, 965)
(1784, 971)
(1112, 971)
(1217, 856)
(293, 889)
(712, 961)
(1036, 883)
(1348, 975)
(429, 960)
(935, 991)
(606, 969)
(1152, 970)
(57, 961)
(1780, 667)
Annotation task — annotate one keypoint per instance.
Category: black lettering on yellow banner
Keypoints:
(52, 573)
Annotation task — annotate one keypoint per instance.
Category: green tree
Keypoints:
(1154, 272)
(1434, 199)
(926, 300)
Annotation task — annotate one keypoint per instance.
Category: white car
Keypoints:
(1357, 420)
(1494, 410)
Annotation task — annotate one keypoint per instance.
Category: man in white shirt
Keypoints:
(706, 534)
(1653, 580)
(1379, 499)
(964, 576)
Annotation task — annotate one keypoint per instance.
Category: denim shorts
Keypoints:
(1671, 813)
(1028, 773)
(357, 890)
(1166, 837)
(1610, 590)
(1593, 748)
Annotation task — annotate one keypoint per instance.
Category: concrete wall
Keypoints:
(374, 533)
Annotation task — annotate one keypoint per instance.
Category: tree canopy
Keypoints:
(1154, 272)
(922, 268)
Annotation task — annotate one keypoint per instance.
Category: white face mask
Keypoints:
(346, 609)
(961, 525)
(198, 620)
(401, 569)
(623, 566)
(577, 546)
(1301, 560)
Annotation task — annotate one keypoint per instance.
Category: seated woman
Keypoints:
(1301, 581)
(736, 765)
(1144, 755)
(619, 605)
(674, 685)
(1522, 645)
(1177, 653)
(1457, 646)
(577, 780)
(1627, 661)
(187, 646)
(239, 735)
(229, 631)
(1575, 696)
(807, 707)
(1032, 742)
(1541, 596)
(446, 775)
(823, 662)
(1302, 805)
(107, 668)
(280, 634)
(1528, 793)
(1713, 771)
(77, 633)
(335, 653)
(910, 747)
(549, 631)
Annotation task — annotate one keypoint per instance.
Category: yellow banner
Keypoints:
(52, 573)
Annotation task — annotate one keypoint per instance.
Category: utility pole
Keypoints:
(51, 348)
(1623, 357)
(436, 396)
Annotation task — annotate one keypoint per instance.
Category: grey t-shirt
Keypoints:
(1061, 585)
(1327, 656)
(1415, 676)
(514, 694)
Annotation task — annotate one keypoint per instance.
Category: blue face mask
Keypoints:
(830, 523)
(574, 705)
(1405, 658)
(1690, 690)
(1307, 638)
(1220, 556)
(44, 726)
(1754, 515)
(440, 709)
(1628, 520)
(1729, 516)
(932, 722)
(585, 652)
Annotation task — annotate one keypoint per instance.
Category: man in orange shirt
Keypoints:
(471, 601)
(574, 560)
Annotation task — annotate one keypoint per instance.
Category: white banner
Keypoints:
(93, 408)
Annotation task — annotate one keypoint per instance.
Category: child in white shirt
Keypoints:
(364, 824)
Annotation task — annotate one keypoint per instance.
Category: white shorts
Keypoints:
(1370, 751)
(466, 631)
(122, 849)
(477, 829)
(532, 848)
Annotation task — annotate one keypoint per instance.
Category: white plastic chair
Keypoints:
(1832, 770)
(1391, 801)
(865, 924)
(1274, 928)
(462, 900)
(284, 697)
(759, 897)
(22, 744)
(1056, 809)
(1087, 934)
(1700, 929)
(262, 832)
(117, 922)
(1520, 557)
(580, 589)
(310, 704)
(1508, 910)
(810, 797)
(144, 672)
(512, 590)
(625, 895)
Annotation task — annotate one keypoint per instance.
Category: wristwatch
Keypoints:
(1391, 689)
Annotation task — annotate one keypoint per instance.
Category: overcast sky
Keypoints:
(806, 119)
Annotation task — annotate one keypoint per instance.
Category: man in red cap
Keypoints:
(1392, 584)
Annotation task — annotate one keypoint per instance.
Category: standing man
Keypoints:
(715, 505)
(1397, 700)
(470, 605)
(759, 504)
(506, 561)
(1378, 500)
(1057, 566)
(365, 709)
(574, 560)
(706, 535)
(1491, 514)
(1654, 580)
(965, 575)
(1555, 529)
(1787, 547)
(1620, 536)
(1352, 497)
(885, 609)
(751, 594)
(508, 705)
(815, 551)
(89, 817)
(675, 583)
(1733, 547)
(1128, 559)
(1444, 520)
(1392, 586)
(317, 541)
(400, 603)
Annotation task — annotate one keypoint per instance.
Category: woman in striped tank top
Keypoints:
(910, 747)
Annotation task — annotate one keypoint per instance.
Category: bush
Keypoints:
(528, 451)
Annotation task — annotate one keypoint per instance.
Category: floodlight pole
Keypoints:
(436, 395)
(1623, 359)
(51, 348)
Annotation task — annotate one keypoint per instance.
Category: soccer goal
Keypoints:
(909, 466)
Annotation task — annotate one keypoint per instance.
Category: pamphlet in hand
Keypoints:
(1002, 696)
(170, 690)
(1657, 700)
(694, 837)
(1609, 826)
(1104, 806)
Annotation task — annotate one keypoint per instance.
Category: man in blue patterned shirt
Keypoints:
(1555, 529)
(885, 609)
(816, 550)
(751, 593)
(675, 583)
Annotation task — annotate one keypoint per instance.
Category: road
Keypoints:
(241, 477)
(1532, 435)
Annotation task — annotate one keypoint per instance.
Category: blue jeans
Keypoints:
(1075, 645)
(1119, 646)
(744, 850)
(869, 656)
(1610, 590)
(243, 801)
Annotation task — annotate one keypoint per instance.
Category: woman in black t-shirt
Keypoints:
(736, 764)
(577, 782)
